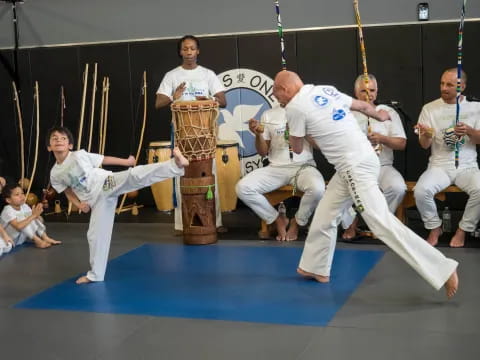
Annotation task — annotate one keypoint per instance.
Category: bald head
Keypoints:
(286, 86)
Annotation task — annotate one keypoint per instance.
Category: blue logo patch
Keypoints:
(338, 114)
(321, 101)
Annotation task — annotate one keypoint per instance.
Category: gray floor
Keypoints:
(393, 314)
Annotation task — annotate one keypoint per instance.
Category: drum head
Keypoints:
(159, 144)
(226, 143)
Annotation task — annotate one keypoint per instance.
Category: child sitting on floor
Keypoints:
(21, 222)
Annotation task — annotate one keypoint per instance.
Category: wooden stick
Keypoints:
(16, 98)
(92, 108)
(37, 102)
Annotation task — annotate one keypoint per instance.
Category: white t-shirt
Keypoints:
(9, 213)
(80, 171)
(198, 82)
(275, 123)
(441, 116)
(393, 128)
(324, 113)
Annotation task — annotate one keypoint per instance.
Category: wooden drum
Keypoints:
(162, 191)
(195, 127)
(228, 173)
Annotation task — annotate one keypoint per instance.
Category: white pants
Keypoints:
(4, 246)
(393, 187)
(434, 180)
(178, 194)
(250, 190)
(35, 227)
(360, 184)
(103, 211)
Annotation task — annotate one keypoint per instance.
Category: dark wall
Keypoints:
(407, 60)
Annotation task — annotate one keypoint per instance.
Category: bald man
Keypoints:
(323, 114)
(435, 125)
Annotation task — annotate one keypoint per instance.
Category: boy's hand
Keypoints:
(37, 210)
(131, 161)
(84, 207)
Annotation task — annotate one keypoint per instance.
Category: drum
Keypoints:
(195, 127)
(228, 173)
(162, 191)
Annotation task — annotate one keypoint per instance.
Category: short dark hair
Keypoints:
(187, 37)
(62, 130)
(8, 189)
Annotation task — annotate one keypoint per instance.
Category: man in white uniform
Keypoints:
(386, 136)
(189, 82)
(437, 130)
(285, 168)
(323, 114)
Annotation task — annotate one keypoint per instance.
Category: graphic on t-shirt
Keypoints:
(321, 101)
(450, 139)
(338, 114)
(330, 91)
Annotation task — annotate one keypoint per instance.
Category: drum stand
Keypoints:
(133, 208)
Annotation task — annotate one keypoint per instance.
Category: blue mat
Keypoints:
(238, 283)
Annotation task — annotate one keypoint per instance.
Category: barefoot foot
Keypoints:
(180, 160)
(292, 233)
(308, 275)
(351, 232)
(432, 238)
(83, 280)
(451, 286)
(458, 240)
(42, 244)
(52, 241)
(281, 224)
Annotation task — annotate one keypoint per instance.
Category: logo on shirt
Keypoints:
(249, 93)
(338, 114)
(321, 101)
(329, 91)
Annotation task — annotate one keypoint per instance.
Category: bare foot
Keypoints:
(351, 231)
(281, 223)
(52, 241)
(432, 238)
(451, 285)
(83, 280)
(458, 240)
(40, 244)
(180, 160)
(308, 275)
(292, 233)
(222, 229)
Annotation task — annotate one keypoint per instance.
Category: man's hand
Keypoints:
(179, 91)
(423, 130)
(255, 126)
(375, 138)
(462, 129)
(84, 207)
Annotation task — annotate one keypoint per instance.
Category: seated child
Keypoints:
(21, 222)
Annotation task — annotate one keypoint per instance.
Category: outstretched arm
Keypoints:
(369, 110)
(112, 160)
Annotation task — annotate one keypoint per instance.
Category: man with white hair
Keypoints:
(385, 137)
(323, 114)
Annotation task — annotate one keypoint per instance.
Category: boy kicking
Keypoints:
(89, 187)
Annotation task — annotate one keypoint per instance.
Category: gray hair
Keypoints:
(361, 78)
(455, 70)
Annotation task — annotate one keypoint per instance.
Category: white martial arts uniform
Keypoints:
(100, 189)
(300, 170)
(324, 113)
(36, 227)
(198, 82)
(390, 180)
(4, 246)
(441, 171)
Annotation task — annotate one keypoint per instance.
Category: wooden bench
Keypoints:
(274, 198)
(409, 200)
